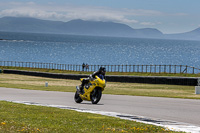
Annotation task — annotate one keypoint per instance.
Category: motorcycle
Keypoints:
(92, 90)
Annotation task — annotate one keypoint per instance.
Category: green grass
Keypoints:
(116, 88)
(152, 90)
(27, 118)
(108, 73)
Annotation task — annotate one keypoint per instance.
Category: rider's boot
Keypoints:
(81, 88)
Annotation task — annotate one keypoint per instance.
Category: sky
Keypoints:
(168, 16)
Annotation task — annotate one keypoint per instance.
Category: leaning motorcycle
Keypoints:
(92, 91)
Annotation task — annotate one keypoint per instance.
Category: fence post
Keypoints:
(138, 68)
(175, 69)
(164, 68)
(186, 69)
(142, 68)
(180, 68)
(146, 68)
(193, 71)
(150, 68)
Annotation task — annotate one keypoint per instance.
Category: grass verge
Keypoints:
(134, 89)
(27, 118)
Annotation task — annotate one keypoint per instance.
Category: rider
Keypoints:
(100, 73)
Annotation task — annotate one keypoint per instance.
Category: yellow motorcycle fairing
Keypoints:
(97, 82)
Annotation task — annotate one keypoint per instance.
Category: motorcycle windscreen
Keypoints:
(101, 76)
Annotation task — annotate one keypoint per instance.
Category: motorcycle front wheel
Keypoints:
(77, 98)
(96, 95)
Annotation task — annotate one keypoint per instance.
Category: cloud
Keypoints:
(64, 12)
(67, 12)
(150, 23)
(31, 13)
(142, 12)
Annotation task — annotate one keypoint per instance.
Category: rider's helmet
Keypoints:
(102, 70)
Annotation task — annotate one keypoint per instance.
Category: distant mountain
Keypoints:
(192, 35)
(22, 24)
(75, 27)
(81, 27)
(92, 28)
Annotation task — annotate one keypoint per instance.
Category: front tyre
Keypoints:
(77, 98)
(96, 95)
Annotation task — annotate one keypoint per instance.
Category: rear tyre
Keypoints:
(96, 95)
(77, 98)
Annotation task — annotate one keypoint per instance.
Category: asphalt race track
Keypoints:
(150, 108)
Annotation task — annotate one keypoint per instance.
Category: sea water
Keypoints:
(74, 49)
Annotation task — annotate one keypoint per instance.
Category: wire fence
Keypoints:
(109, 68)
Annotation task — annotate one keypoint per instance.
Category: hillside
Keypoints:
(192, 35)
(74, 27)
(92, 28)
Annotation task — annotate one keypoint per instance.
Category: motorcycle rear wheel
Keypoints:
(96, 95)
(77, 98)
